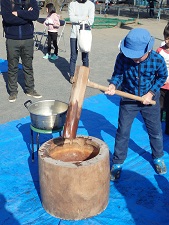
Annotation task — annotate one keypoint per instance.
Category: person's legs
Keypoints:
(127, 113)
(49, 47)
(13, 54)
(27, 58)
(73, 55)
(151, 116)
(54, 39)
(49, 42)
(152, 12)
(85, 59)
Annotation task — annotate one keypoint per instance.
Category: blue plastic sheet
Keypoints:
(140, 197)
(4, 66)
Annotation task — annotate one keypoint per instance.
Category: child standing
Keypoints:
(164, 97)
(140, 71)
(52, 22)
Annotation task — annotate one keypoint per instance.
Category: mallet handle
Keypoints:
(120, 93)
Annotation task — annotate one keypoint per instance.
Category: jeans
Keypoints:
(74, 54)
(23, 49)
(151, 115)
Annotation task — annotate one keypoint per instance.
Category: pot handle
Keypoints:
(25, 104)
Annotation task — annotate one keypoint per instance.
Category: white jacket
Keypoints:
(80, 12)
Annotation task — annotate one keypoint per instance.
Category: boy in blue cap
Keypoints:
(140, 71)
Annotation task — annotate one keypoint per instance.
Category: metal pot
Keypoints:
(47, 114)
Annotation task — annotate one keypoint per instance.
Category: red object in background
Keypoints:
(165, 86)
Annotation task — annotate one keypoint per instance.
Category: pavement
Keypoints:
(51, 79)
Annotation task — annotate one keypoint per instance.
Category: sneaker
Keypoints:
(34, 94)
(47, 56)
(12, 97)
(115, 172)
(160, 166)
(54, 57)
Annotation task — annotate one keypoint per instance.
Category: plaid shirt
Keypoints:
(140, 78)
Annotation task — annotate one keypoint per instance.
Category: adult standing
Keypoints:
(18, 17)
(79, 10)
(151, 7)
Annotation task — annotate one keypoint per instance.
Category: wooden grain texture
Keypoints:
(76, 102)
(117, 92)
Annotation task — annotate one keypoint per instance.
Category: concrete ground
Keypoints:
(51, 79)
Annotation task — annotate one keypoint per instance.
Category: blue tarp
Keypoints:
(140, 197)
(4, 66)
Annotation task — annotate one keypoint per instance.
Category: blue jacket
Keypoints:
(19, 27)
(138, 79)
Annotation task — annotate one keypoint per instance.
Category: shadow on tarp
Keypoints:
(95, 123)
(6, 216)
(25, 130)
(142, 196)
(34, 171)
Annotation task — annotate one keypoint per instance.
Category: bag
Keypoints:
(85, 37)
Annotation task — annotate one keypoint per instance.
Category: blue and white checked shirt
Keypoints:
(140, 78)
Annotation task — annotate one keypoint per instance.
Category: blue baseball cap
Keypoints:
(137, 43)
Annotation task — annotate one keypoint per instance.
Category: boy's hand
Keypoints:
(147, 98)
(111, 90)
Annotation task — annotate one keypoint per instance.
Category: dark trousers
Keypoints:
(151, 12)
(15, 50)
(52, 37)
(164, 103)
(74, 54)
(151, 115)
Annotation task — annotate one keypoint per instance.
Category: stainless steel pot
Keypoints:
(47, 114)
